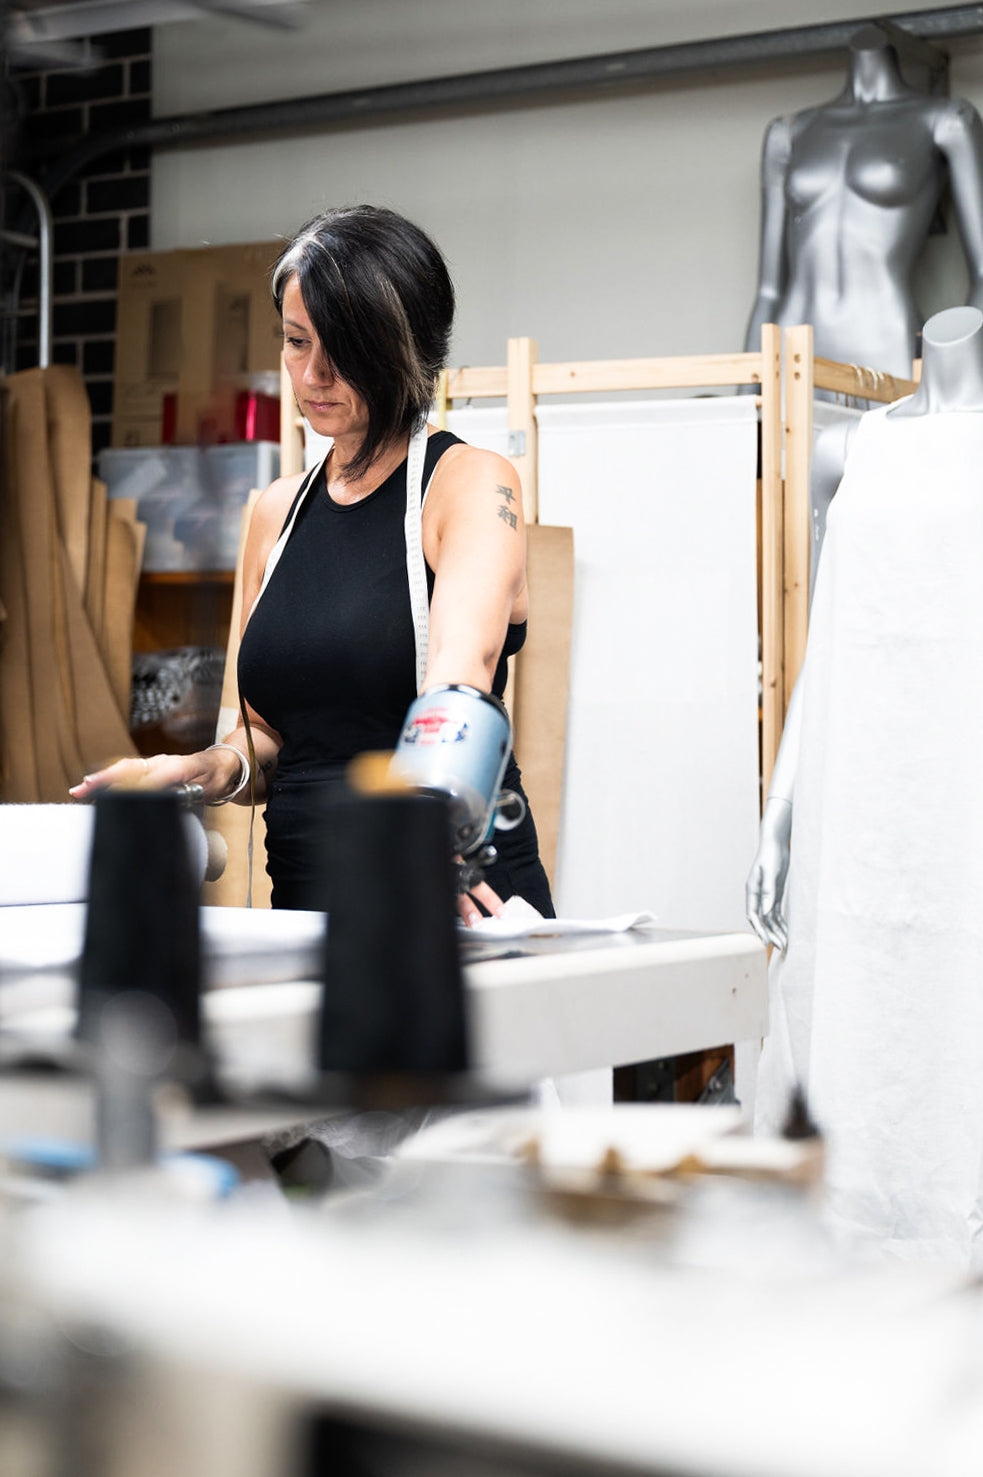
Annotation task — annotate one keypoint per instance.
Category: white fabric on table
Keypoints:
(45, 851)
(877, 1007)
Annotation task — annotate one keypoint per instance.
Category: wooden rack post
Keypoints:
(799, 393)
(291, 428)
(804, 375)
(771, 573)
(523, 442)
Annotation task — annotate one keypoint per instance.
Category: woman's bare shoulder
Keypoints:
(275, 501)
(271, 509)
(473, 463)
(267, 519)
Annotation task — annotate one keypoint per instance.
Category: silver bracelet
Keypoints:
(244, 776)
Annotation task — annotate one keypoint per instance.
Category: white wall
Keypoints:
(615, 226)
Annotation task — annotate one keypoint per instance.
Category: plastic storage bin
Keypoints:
(191, 498)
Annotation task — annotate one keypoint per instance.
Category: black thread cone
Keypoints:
(142, 921)
(393, 990)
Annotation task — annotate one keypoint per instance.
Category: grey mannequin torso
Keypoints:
(880, 162)
(849, 192)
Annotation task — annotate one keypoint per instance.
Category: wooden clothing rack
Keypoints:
(785, 387)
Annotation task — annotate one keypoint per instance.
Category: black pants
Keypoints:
(292, 847)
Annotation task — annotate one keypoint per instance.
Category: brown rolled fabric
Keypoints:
(58, 714)
(95, 575)
(123, 555)
(40, 753)
(69, 431)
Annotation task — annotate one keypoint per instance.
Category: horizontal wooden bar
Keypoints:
(688, 371)
(593, 376)
(475, 384)
(858, 380)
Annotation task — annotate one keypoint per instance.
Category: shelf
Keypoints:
(187, 577)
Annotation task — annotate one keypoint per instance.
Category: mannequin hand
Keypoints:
(765, 890)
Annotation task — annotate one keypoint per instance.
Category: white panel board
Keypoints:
(481, 425)
(660, 806)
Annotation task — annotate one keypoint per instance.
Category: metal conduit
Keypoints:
(506, 85)
(43, 242)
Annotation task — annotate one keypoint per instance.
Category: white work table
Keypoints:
(552, 1006)
(608, 1000)
(733, 1348)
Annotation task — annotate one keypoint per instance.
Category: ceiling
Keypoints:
(49, 31)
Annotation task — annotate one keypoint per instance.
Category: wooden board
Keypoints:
(232, 821)
(542, 679)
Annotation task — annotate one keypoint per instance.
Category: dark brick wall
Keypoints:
(99, 214)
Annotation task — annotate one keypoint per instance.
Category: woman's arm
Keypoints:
(773, 260)
(265, 526)
(217, 770)
(474, 539)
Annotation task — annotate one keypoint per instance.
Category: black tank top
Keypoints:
(328, 656)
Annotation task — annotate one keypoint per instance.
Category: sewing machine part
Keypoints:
(456, 742)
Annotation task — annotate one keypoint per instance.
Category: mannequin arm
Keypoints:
(959, 136)
(765, 888)
(825, 473)
(773, 262)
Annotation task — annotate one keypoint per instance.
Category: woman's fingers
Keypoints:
(130, 772)
(488, 899)
(135, 773)
(466, 910)
(483, 894)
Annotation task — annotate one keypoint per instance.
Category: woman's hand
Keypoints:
(215, 770)
(479, 893)
(765, 890)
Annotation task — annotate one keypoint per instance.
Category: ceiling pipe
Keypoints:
(510, 85)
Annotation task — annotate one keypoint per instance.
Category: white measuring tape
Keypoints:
(416, 567)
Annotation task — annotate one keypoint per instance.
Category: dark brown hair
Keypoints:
(381, 301)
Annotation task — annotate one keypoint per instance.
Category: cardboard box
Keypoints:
(196, 325)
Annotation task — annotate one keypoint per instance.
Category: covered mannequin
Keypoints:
(849, 192)
(869, 874)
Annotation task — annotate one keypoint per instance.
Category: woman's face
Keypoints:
(330, 404)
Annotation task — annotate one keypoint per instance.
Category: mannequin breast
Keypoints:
(879, 155)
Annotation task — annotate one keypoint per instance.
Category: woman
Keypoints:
(849, 193)
(327, 662)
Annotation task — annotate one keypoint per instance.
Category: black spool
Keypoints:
(393, 990)
(142, 921)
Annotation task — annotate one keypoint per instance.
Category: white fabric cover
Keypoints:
(877, 1008)
(660, 792)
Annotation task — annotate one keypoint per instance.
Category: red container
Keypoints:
(257, 416)
(168, 419)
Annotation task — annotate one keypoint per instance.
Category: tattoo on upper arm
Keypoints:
(504, 511)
